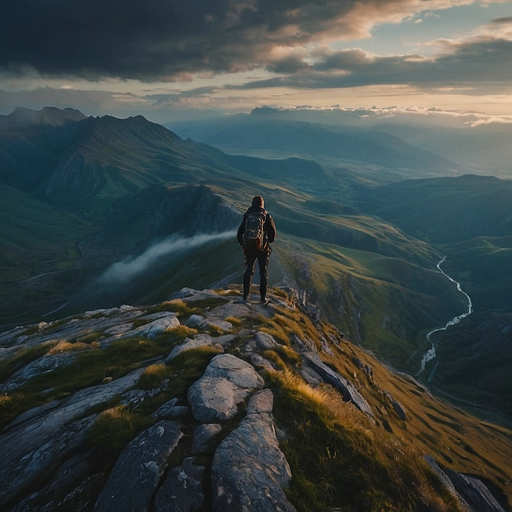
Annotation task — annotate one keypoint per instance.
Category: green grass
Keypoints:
(88, 368)
(339, 461)
(386, 304)
(114, 428)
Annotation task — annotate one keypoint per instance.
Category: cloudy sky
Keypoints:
(169, 59)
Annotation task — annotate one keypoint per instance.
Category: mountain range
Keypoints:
(101, 212)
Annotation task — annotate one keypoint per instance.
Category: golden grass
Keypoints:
(325, 397)
(115, 427)
(455, 438)
(66, 346)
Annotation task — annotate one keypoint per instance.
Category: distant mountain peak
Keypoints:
(22, 117)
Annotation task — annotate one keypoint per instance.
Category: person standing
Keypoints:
(255, 234)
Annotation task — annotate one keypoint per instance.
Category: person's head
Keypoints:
(258, 201)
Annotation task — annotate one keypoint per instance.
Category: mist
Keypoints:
(130, 268)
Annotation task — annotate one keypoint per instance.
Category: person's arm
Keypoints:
(271, 229)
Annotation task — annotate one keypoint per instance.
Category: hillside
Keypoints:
(205, 403)
(273, 134)
(100, 212)
(469, 219)
(127, 186)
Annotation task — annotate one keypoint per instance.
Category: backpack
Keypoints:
(254, 232)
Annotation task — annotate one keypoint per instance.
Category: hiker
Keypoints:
(255, 233)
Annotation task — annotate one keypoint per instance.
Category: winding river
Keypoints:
(431, 353)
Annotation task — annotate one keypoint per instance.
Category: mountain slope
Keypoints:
(143, 213)
(469, 219)
(271, 134)
(128, 181)
(138, 426)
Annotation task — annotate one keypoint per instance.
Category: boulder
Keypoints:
(234, 369)
(137, 473)
(265, 341)
(201, 340)
(260, 362)
(226, 382)
(181, 490)
(249, 471)
(201, 322)
(213, 399)
(196, 322)
(170, 410)
(346, 388)
(203, 434)
(155, 328)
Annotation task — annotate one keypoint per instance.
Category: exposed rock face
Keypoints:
(182, 489)
(225, 383)
(471, 493)
(249, 470)
(135, 477)
(191, 458)
(27, 449)
(475, 493)
(346, 388)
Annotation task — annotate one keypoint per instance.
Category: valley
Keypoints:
(358, 237)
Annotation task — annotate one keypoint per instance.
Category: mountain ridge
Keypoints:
(343, 421)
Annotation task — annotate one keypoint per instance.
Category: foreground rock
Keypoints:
(225, 384)
(249, 471)
(135, 477)
(346, 388)
(34, 441)
(212, 446)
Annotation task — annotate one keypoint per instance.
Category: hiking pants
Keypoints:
(250, 261)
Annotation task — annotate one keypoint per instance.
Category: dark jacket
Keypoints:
(270, 228)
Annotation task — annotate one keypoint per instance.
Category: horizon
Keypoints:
(174, 61)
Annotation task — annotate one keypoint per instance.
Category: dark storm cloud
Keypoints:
(158, 38)
(177, 39)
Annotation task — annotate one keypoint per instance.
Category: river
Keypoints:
(431, 353)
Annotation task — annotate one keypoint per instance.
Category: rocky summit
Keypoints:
(207, 403)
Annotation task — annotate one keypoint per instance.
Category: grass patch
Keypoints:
(234, 320)
(339, 461)
(89, 368)
(182, 372)
(66, 346)
(181, 332)
(283, 325)
(23, 357)
(115, 428)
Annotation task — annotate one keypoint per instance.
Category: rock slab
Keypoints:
(138, 470)
(225, 383)
(249, 471)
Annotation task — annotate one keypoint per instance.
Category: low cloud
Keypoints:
(125, 271)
